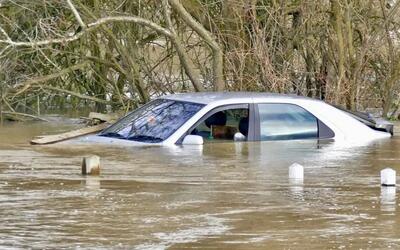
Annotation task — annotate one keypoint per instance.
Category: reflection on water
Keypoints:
(224, 196)
(388, 199)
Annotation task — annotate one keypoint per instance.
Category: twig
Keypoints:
(2, 31)
(183, 56)
(219, 83)
(91, 98)
(90, 26)
(29, 83)
(76, 14)
(25, 115)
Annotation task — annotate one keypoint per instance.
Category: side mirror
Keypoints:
(239, 137)
(193, 140)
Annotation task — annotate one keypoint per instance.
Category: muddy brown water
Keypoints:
(218, 196)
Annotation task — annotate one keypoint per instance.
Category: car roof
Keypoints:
(208, 97)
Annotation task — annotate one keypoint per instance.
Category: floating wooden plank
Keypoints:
(48, 139)
(103, 117)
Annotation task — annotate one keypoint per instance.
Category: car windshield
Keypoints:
(154, 122)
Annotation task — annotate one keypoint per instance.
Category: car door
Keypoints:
(224, 123)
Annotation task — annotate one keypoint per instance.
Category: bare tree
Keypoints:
(122, 53)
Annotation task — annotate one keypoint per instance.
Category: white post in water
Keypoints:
(296, 171)
(91, 165)
(388, 177)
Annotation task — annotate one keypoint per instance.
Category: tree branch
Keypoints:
(90, 26)
(218, 68)
(27, 84)
(183, 56)
(76, 14)
(24, 115)
(2, 31)
(91, 98)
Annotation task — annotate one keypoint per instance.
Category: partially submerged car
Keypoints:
(195, 118)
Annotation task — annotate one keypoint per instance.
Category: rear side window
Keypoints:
(286, 122)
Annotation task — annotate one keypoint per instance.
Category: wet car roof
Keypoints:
(207, 97)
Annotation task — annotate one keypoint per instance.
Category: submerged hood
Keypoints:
(96, 139)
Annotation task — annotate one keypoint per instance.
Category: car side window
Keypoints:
(229, 124)
(286, 122)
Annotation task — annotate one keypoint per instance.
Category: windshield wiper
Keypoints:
(145, 138)
(113, 135)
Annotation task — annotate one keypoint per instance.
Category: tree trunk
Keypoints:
(337, 26)
(217, 61)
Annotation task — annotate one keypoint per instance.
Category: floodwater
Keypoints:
(218, 196)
